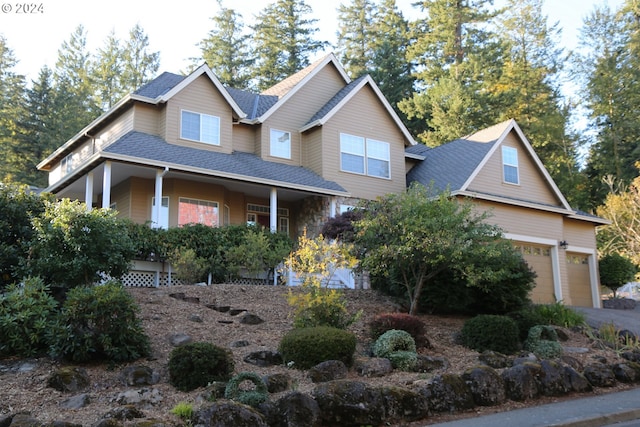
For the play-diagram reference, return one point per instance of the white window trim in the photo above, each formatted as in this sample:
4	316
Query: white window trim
217	136
516	166
272	152
366	156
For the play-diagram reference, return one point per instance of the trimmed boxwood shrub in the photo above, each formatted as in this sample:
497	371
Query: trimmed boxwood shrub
491	332
306	347
197	364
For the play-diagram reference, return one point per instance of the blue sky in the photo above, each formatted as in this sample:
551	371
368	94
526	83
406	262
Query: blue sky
175	29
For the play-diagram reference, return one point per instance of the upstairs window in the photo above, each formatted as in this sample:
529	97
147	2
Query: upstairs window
200	127
510	165
280	145
364	156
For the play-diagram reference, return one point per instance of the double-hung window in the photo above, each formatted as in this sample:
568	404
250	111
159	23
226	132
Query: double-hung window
510	165
364	156
280	144
200	127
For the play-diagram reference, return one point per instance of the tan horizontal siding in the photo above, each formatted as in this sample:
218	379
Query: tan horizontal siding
532	187
116	129
142	191
146	118
244	138
579	233
312	150
523	221
200	96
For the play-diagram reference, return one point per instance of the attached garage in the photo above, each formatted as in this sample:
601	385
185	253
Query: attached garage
579	279
539	259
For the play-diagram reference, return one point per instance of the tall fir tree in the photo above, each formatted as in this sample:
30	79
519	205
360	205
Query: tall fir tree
283	41
139	64
356	36
12	86
74	90
455	55
37	138
106	72
227	50
610	68
529	92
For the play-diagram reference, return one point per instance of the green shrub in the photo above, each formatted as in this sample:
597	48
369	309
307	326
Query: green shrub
491	332
187	266
543	342
328	310
526	319
197	364
306	347
100	323
397	346
27	313
253	396
183	410
401	321
559	314
616	270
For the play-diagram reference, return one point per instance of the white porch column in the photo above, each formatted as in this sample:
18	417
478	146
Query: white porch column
158	197
106	185
88	191
273	214
332	207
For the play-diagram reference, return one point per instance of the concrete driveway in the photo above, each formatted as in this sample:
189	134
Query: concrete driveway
623	319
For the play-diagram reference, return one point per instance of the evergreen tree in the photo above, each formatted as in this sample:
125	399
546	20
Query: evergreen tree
107	73
139	65
12	86
455	57
73	101
283	41
356	36
38	138
227	49
610	69
528	91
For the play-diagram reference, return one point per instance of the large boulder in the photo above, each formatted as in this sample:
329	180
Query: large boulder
521	381
295	409
446	393
227	413
486	385
578	382
328	370
69	379
553	381
373	367
139	375
599	375
628	372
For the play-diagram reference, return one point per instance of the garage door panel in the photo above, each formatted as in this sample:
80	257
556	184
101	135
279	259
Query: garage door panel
539	259
579	279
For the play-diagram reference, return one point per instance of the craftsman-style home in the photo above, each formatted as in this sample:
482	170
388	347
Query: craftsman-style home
187	149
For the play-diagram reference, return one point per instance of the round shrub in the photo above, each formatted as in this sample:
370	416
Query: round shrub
100	323
393	341
306	347
197	364
403	360
253	396
491	332
27	314
526	319
543	342
401	321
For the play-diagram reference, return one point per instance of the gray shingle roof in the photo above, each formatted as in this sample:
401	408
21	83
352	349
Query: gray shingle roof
252	104
448	165
145	146
160	85
342	93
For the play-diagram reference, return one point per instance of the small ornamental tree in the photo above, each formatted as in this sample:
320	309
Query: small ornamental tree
616	270
315	261
72	246
414	236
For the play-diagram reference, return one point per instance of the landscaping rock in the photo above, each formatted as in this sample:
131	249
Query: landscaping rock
495	360
240	343
277	383
486	385
24	420
328	371
228	413
553	381
195	318
600	375
264	358
127	412
144	397
576	380
179	339
251	319
373	367
403	405
627	372
297	410
447	393
69	379
76	402
139	375
426	363
619	303
521	381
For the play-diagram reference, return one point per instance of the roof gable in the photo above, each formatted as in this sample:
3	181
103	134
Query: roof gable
334	105
457	164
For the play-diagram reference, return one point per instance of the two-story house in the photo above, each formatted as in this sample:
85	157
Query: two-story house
187	149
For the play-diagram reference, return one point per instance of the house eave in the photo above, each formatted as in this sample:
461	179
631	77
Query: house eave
513	202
